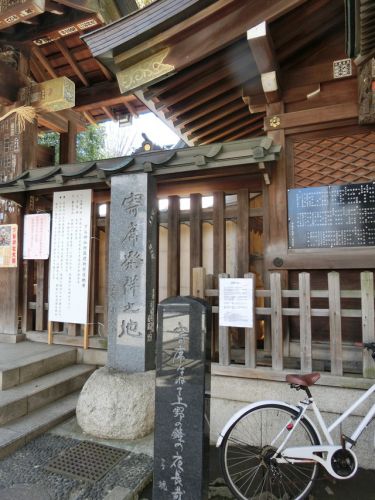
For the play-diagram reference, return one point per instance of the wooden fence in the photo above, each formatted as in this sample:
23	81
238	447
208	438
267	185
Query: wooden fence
275	313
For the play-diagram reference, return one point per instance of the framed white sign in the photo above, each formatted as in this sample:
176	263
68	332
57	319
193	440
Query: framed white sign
236	302
70	257
36	236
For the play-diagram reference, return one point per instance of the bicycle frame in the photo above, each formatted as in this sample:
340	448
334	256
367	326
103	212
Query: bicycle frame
324	453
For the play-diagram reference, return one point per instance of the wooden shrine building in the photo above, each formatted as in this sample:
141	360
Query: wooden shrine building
276	103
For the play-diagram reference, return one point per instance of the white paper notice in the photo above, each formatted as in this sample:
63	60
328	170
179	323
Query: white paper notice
236	302
36	236
70	251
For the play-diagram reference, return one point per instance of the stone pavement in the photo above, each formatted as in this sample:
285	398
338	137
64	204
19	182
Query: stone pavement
29	473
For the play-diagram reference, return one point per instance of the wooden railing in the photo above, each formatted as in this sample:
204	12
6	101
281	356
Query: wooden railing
275	313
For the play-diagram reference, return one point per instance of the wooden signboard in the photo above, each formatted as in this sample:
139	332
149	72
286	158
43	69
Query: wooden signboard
70	257
71	28
17	11
52	95
8	245
11	140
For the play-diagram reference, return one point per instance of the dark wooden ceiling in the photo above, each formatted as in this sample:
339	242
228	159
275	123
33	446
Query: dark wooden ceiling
53	45
215	92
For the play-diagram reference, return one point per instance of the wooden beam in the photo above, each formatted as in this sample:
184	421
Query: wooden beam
261	46
201	68
104	70
227	130
202	98
208	31
262	49
11	81
108	113
222	125
105	93
243	132
44	62
311	116
132	109
89	118
53	121
83	5
236	105
308	75
37	71
209	108
65	51
54	7
242	65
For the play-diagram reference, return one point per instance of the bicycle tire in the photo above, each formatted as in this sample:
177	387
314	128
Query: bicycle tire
246	453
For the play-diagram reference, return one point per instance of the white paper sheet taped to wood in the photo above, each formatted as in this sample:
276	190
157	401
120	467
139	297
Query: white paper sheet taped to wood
236	301
36	236
70	257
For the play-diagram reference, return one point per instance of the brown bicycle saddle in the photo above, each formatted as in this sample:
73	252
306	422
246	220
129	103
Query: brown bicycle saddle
304	380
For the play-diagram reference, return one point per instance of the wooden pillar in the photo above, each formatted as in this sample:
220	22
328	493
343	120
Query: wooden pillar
243	244
196	257
14	282
68	144
173	271
276	200
276	219
219	233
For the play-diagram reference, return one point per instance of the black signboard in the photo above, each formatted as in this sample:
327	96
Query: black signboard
332	216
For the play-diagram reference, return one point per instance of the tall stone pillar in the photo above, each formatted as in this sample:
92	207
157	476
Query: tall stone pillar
118	401
132	273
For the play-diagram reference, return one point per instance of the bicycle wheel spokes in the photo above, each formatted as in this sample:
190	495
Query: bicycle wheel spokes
249	466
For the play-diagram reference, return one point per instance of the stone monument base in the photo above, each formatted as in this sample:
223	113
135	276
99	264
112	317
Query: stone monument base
117	405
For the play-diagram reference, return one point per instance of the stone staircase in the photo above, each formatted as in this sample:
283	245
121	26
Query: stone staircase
38	389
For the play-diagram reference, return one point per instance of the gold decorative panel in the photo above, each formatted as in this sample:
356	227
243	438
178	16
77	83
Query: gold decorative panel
334	160
144	72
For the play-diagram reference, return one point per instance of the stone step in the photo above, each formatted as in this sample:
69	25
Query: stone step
16	434
25	398
33	364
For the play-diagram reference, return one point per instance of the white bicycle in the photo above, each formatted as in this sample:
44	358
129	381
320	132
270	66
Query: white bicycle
272	450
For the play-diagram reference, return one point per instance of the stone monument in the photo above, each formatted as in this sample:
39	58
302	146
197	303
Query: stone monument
181	434
118	400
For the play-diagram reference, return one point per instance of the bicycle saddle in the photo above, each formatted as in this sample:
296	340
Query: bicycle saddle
304	380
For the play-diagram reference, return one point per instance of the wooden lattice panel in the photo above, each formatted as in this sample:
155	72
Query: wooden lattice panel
334	160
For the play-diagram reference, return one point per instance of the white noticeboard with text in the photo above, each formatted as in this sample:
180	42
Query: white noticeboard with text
236	302
70	257
36	236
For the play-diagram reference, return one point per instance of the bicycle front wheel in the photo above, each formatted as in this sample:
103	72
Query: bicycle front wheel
247	453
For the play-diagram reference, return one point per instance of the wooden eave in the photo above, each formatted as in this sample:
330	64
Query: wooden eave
140	25
210	85
202	161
